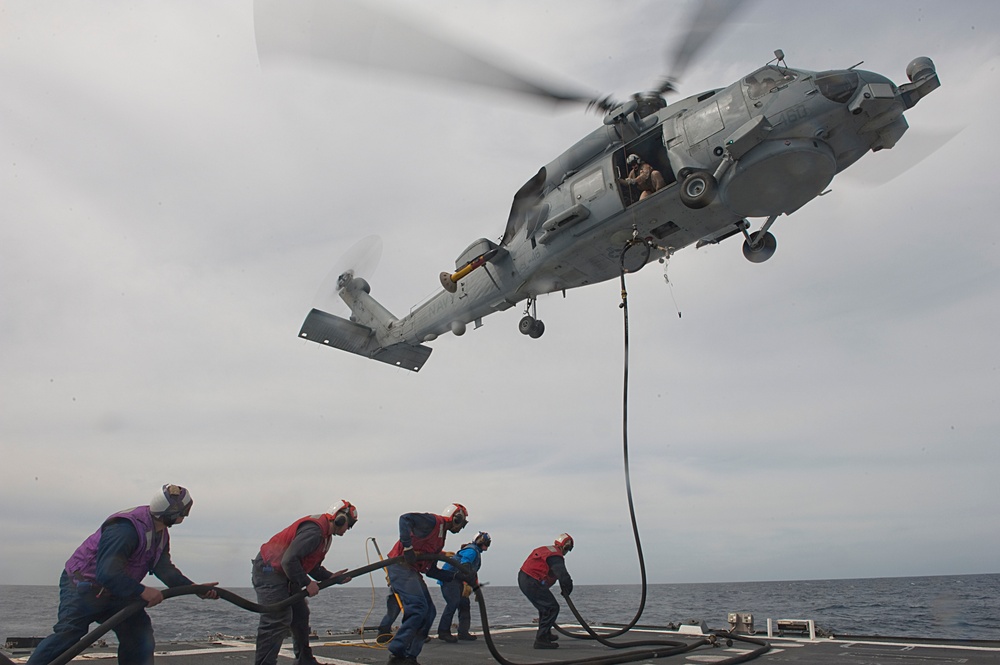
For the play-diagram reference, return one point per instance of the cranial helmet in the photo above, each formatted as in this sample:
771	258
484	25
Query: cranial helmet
457	514
633	159
170	504
483	540
564	542
344	512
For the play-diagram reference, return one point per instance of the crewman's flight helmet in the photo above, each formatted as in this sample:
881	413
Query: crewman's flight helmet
457	515
483	540
171	504
565	543
344	512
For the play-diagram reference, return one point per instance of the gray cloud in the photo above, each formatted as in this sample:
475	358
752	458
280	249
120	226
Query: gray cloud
170	208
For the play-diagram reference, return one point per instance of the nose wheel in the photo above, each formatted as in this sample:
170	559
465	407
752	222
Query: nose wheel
529	325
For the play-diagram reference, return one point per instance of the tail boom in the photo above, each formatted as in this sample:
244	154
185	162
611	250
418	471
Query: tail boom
331	330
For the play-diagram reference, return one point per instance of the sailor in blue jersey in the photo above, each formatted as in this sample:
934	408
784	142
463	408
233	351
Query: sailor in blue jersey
454	591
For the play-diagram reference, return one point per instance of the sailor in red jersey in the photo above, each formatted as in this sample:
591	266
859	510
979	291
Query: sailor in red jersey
284	567
538	573
419	533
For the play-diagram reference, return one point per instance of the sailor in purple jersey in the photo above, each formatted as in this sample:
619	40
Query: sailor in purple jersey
105	574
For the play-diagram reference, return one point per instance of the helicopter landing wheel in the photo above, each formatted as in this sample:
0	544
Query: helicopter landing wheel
526	324
698	189
759	249
536	330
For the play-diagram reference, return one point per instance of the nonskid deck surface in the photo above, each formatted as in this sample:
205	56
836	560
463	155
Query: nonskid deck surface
515	645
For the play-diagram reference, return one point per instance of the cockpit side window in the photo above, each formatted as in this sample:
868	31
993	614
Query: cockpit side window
838	86
766	80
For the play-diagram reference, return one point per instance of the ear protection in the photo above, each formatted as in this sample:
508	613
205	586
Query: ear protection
171	504
344	513
457	514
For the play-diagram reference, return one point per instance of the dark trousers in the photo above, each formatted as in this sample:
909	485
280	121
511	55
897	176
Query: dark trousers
418	611
79	607
391	612
543	600
454	600
273	587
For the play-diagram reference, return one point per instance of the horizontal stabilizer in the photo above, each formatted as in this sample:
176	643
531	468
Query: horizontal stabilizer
340	333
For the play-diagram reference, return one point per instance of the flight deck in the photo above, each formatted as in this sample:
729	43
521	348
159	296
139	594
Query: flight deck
515	645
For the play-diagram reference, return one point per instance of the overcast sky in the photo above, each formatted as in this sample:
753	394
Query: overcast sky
170	207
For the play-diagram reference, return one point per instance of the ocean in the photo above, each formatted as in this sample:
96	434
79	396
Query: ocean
946	607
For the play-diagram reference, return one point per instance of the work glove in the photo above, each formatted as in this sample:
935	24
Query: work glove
410	556
345	579
566	589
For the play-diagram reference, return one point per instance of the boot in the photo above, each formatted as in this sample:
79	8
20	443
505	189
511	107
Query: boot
544	644
305	657
468	637
446	636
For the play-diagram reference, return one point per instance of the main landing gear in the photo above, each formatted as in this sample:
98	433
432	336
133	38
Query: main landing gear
760	245
529	325
698	188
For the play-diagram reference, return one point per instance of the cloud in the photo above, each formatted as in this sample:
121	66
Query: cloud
171	208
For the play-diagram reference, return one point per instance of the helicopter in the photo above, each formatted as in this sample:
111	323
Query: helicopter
652	179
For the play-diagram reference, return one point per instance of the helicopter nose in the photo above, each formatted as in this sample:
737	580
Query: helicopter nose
923	80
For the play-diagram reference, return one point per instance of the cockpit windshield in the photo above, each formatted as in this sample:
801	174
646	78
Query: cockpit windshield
838	86
767	79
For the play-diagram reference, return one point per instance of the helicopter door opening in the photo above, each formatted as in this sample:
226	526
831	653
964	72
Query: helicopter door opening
651	151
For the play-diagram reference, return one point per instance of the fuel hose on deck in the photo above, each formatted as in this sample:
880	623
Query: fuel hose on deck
229	596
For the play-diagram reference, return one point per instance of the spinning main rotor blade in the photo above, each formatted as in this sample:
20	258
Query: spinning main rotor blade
710	17
360	34
913	148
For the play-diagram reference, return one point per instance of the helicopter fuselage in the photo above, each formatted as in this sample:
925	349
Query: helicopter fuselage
763	146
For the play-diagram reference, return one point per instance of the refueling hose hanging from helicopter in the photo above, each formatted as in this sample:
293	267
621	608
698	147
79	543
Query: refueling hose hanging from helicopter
645	247
627	261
